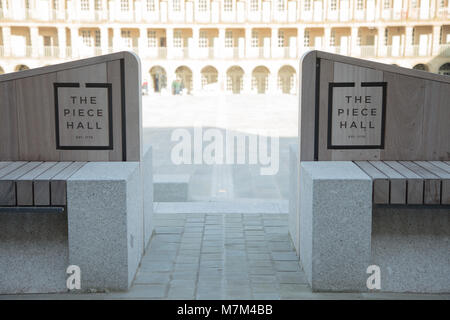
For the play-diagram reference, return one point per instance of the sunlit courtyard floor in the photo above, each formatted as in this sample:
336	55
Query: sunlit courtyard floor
251	115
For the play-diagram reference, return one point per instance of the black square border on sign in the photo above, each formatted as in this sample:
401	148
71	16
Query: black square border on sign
108	86
331	86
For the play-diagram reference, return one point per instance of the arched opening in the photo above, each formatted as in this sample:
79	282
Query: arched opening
183	80
2	71
235	83
260	79
159	78
209	77
445	69
21	67
421	66
286	79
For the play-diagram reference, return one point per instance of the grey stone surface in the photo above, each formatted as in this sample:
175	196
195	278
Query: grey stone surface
147	180
33	252
171	187
335	225
105	222
412	248
293	195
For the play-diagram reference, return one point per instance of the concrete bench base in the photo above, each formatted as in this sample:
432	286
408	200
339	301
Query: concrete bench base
104	230
340	234
34	252
171	187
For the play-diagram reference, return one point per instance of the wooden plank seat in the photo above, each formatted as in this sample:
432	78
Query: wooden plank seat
35	183
409	182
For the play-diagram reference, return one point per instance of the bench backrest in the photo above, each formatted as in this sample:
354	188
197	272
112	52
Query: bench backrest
353	109
85	110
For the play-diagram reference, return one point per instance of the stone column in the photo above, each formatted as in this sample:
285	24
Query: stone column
193	50
169	42
143	41
436	44
104	39
274	43
300	40
35	44
409	41
74	41
354	50
326	39
62	42
248	42
221	42
381	48
6	30
116	39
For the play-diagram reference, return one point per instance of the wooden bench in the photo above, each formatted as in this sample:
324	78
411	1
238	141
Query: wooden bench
37	184
409	182
371	176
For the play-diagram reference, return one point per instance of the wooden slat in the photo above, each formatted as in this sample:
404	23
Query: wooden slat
414	183
445	179
397	192
442	165
4	164
24	184
41	184
380	182
58	184
432	183
6	187
7	183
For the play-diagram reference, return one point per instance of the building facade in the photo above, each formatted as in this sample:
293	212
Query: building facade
237	46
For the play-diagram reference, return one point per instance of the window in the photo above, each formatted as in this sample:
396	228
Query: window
358	39
176	5
333	5
280	39
177	39
360	5
414	3
280	5
98	5
98	38
203	40
87	39
124	5
387	4
55	4
151	38
126	38
85	5
202	5
442	4
307	5
306	39
151	5
386	37
228	39
413	35
228	5
255	39
333	39
254	5
441	35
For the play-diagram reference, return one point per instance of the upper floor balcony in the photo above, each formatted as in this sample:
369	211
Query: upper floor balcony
244	11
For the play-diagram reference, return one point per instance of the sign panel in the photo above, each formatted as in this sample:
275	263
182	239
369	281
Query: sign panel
83	115
356	115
